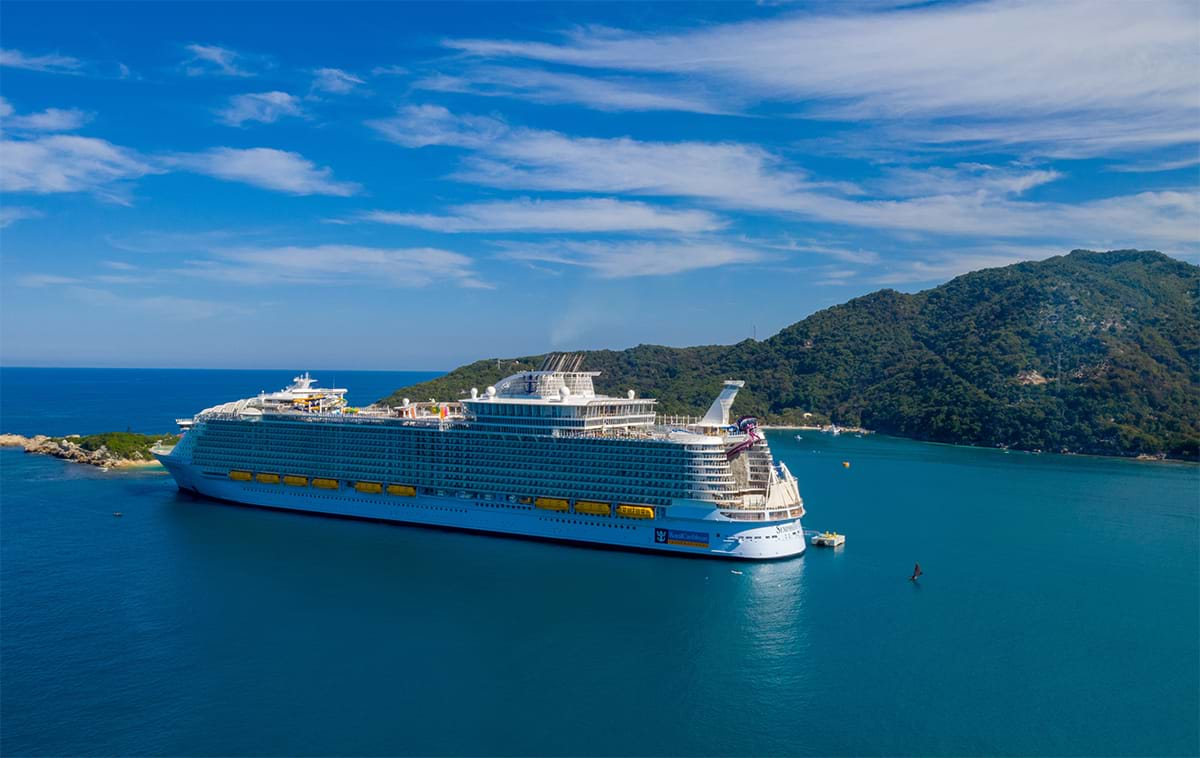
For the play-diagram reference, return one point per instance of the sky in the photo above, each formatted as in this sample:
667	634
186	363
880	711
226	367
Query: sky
412	186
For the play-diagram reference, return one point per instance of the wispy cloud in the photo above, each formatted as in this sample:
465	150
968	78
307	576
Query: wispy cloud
1090	76
964	178
267	168
426	125
51	63
944	265
214	59
338	265
389	71
267	107
49	120
11	214
576	215
69	163
161	306
619	260
335	81
45	280
553	87
971	200
1149	167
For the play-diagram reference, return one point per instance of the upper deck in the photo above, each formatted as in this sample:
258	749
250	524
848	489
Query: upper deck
556	399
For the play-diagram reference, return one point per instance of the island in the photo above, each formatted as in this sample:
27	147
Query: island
1090	352
107	450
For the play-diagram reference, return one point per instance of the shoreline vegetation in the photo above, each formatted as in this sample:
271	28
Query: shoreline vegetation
1091	353
107	450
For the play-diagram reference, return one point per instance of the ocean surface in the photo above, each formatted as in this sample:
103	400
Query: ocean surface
1058	613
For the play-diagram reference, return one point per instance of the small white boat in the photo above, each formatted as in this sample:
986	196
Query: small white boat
799	437
829	539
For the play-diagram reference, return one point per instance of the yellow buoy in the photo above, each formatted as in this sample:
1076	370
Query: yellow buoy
845	464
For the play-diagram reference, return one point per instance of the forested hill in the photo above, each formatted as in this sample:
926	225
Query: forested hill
1088	352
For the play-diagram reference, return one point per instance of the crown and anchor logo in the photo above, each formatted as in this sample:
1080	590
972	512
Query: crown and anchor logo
660	535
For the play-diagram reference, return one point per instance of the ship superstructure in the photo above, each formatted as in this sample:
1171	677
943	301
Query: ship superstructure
540	454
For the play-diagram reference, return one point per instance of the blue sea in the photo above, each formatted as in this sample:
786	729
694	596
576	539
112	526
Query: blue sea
1058	613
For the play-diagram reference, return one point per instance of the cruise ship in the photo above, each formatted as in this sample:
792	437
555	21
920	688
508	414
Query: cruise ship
540	454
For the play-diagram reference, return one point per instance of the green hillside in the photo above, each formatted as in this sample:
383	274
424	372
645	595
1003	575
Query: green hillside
1088	352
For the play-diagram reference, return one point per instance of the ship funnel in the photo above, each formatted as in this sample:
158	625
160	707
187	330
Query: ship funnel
718	412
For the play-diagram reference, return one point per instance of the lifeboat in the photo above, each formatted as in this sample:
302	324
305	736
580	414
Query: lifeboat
592	508
552	504
402	490
373	488
296	481
267	478
635	511
240	476
325	484
525	500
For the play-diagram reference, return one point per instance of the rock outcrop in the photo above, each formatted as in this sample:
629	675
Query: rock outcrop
69	449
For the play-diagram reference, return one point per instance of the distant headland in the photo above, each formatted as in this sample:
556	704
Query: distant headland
108	450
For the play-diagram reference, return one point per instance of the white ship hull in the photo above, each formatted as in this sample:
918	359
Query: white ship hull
691	529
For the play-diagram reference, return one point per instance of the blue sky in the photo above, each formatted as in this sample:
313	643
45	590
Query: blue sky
416	186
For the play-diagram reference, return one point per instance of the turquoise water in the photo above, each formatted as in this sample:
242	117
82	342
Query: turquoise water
1058	614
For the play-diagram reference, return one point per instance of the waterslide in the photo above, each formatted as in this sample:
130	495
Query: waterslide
748	426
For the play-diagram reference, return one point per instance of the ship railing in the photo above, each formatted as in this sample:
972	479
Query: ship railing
666	420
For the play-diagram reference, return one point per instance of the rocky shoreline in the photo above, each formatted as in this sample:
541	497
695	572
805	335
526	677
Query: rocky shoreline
72	448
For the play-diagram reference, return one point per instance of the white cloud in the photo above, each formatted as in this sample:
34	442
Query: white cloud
843	254
11	214
389	71
335	81
267	107
68	163
972	200
213	59
337	265
965	178
1150	167
119	265
578	215
1091	76
163	306
51	63
539	159
551	87
267	168
45	280
425	125
943	266
49	120
618	260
